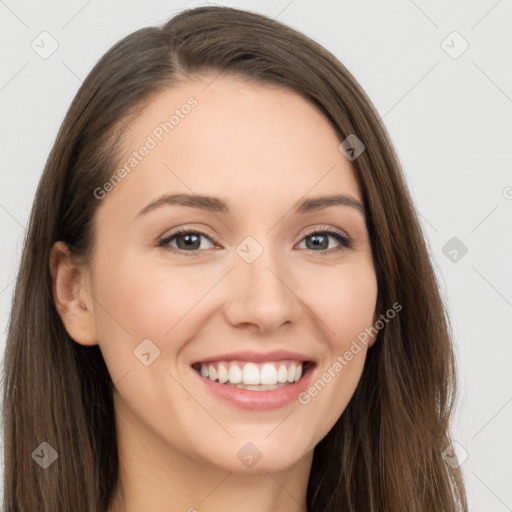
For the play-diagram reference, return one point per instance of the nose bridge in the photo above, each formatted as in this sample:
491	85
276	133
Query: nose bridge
262	290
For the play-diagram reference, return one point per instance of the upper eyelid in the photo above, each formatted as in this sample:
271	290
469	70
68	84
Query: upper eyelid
205	231
323	229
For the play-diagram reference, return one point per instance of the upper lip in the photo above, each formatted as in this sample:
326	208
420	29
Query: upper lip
256	357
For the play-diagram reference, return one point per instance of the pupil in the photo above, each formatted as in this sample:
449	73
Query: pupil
315	238
188	242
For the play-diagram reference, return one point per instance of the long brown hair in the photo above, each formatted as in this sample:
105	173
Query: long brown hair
385	451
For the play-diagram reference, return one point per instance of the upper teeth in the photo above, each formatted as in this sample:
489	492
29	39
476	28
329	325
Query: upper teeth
252	373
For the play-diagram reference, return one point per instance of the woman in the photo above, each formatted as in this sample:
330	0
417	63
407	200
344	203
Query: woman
177	340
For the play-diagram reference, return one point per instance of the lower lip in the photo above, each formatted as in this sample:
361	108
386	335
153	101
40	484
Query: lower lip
257	400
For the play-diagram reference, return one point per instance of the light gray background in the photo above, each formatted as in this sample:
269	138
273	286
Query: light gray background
450	119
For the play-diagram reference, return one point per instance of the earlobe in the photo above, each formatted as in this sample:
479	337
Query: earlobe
71	297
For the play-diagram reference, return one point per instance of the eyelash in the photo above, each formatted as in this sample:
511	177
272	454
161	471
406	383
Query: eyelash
340	236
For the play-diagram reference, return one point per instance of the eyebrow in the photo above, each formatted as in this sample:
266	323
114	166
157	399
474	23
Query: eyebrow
217	205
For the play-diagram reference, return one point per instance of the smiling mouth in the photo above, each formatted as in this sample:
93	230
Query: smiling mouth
254	376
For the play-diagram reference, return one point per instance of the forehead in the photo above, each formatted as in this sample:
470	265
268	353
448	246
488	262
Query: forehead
227	137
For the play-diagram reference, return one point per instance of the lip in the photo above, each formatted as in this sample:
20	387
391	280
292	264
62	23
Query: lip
256	357
257	400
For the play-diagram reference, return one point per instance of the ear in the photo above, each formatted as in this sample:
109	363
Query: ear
374	338
70	289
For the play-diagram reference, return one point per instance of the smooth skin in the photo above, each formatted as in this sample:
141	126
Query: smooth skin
263	149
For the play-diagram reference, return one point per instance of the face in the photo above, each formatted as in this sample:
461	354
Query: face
257	284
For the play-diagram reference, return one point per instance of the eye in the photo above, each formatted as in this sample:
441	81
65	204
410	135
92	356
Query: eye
320	240
188	242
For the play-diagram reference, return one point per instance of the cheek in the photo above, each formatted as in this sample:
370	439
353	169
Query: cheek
140	302
346	306
345	301
145	302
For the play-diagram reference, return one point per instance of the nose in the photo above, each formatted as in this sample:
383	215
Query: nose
262	294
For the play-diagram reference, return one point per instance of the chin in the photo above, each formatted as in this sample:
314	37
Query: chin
257	454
